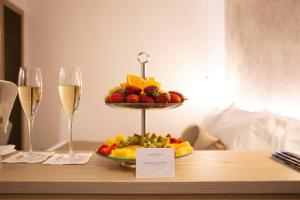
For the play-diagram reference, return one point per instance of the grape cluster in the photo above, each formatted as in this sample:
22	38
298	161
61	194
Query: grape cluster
148	141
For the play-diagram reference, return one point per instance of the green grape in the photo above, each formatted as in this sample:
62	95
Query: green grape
148	135
154	138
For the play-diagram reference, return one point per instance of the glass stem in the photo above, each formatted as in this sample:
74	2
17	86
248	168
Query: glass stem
30	125
70	119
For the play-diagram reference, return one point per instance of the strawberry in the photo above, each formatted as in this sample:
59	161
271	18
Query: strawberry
175	140
118	91
116	98
146	99
152	91
131	89
106	150
162	98
103	149
103	146
112	147
174	98
107	99
178	94
132	98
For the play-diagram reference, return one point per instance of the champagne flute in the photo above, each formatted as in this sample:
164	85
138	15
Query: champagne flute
30	95
70	84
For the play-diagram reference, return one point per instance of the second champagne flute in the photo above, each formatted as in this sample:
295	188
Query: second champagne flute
70	84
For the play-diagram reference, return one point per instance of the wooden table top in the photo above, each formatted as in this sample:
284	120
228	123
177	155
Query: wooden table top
203	172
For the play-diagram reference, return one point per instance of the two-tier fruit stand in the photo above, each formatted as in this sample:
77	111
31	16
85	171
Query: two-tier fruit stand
142	58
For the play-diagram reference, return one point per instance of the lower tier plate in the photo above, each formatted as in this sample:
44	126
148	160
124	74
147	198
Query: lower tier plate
131	160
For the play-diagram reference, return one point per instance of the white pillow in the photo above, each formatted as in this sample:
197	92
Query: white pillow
266	133
243	130
233	127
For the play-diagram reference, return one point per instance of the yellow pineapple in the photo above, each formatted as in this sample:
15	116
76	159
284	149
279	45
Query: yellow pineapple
120	153
120	138
182	148
110	141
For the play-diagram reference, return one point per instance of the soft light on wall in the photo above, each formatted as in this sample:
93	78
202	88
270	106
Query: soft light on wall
262	47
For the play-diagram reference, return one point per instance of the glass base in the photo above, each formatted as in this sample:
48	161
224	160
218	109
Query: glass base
70	158
31	156
128	164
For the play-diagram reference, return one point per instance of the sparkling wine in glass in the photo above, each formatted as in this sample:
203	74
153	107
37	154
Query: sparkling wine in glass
70	84
30	95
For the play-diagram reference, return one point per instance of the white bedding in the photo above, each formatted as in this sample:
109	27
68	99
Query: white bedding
243	130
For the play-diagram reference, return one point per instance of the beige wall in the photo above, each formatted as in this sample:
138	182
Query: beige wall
184	38
103	37
263	48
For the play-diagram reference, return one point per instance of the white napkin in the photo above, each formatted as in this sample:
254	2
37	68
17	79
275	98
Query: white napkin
7	149
81	158
17	158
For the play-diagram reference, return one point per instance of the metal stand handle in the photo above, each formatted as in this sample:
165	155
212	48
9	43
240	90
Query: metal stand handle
143	58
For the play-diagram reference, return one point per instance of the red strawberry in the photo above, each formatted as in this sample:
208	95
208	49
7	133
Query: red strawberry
174	98
107	99
133	98
162	98
178	94
103	146
118	91
106	150
131	89
152	91
175	140
146	99
103	150
116	98
112	147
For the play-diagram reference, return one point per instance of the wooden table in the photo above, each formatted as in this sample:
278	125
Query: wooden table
203	175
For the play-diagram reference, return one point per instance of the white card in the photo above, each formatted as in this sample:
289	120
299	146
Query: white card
155	162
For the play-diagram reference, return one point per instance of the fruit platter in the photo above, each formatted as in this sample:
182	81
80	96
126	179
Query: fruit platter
140	93
123	149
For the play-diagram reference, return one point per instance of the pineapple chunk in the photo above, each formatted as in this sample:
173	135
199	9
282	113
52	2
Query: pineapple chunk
110	141
182	148
120	138
120	153
183	151
123	153
176	146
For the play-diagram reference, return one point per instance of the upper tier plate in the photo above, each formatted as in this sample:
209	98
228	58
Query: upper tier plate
145	105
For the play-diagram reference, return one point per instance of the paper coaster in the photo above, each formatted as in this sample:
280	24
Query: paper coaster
59	159
20	158
7	149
